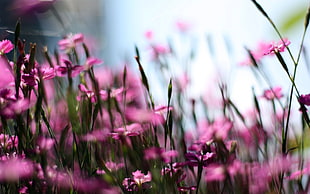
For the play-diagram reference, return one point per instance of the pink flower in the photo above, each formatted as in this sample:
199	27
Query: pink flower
159	50
217	130
134	129
29	6
144	116
64	68
6	73
274	93
45	144
194	159
88	93
15	169
138	181
47	73
304	99
159	153
299	173
8	141
257	53
264	48
278	47
187	188
149	34
91	61
70	41
96	135
215	172
5	46
182	25
14	108
182	81
140	178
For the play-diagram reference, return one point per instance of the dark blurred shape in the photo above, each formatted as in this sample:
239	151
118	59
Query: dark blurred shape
28	11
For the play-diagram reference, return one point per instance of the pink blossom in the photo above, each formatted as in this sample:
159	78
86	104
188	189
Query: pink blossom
70	41
278	47
15	169
114	93
88	93
96	135
76	181
159	153
299	173
45	144
8	141
111	166
217	130
91	61
182	81
140	178
6	73
274	93
47	73
64	68
149	34
182	25
257	53
194	159
5	46
138	181
265	48
134	129
159	50
215	172
14	108
29	6
187	188
144	116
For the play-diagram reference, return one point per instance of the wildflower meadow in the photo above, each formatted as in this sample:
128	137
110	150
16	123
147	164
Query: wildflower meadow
71	124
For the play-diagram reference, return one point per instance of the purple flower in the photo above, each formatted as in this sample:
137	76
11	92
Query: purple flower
30	79
29	6
64	68
304	99
194	159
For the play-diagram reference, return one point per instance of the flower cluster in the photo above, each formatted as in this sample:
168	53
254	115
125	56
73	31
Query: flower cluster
67	125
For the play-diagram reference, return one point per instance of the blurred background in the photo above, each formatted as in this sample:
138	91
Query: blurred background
217	31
